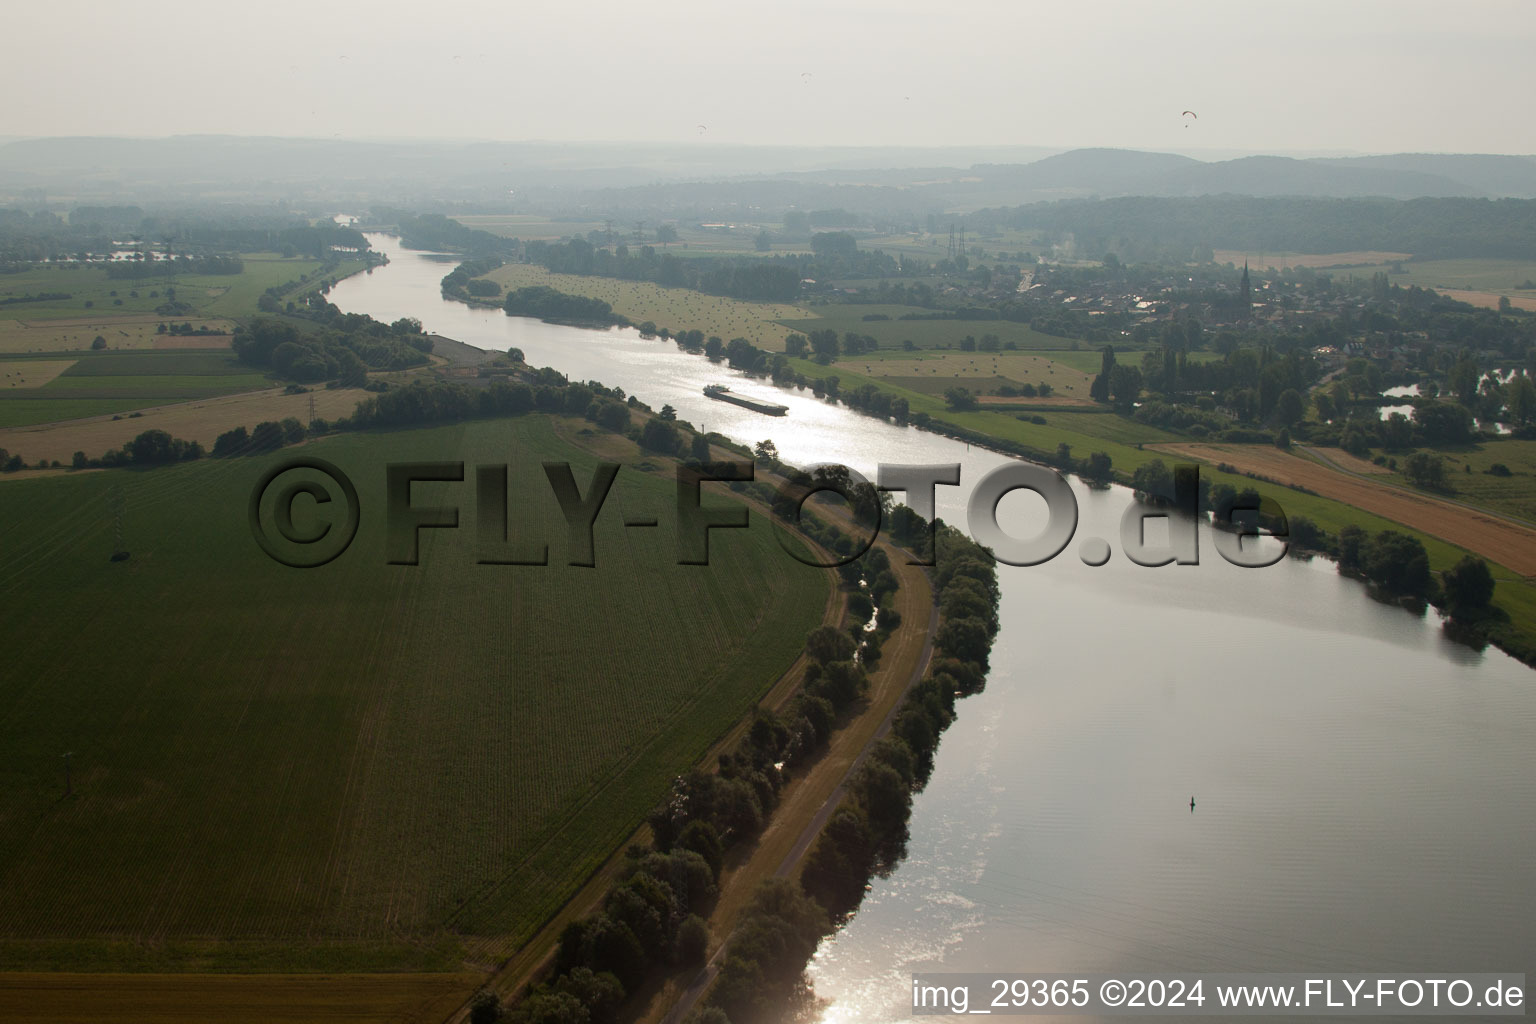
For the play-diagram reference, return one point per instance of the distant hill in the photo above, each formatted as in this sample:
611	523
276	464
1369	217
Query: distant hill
1113	171
1283	176
645	180
1513	176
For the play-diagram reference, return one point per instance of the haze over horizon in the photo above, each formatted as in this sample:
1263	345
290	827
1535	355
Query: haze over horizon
1309	78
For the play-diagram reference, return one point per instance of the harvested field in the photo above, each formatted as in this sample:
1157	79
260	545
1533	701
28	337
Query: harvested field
1489	300
999	403
1283	260
1345	461
677	309
126	330
1495	539
163	341
38	998
32	373
201	421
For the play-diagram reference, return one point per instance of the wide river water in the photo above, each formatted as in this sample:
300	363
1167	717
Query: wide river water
1365	789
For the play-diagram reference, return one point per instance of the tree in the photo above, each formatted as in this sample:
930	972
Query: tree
1399	563
1444	423
1124	385
79	461
666	234
1463	379
960	399
266	437
98	343
1099	390
700	448
1520	397
485	1008
1290	407
692	941
827	644
231	442
1153	480
701	838
660	436
1468	586
966	639
763	242
668	413
153	447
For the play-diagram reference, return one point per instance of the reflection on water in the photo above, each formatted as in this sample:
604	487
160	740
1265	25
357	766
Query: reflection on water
1366	790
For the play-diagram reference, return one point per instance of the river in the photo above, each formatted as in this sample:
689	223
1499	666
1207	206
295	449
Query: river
1365	789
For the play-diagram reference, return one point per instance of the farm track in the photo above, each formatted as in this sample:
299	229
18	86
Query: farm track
1502	540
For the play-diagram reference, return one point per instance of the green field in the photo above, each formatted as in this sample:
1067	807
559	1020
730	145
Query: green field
121	381
677	309
1513	495
1503	277
209	295
24	412
360	765
926	334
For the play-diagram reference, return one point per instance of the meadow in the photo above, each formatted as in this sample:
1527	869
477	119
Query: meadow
678	309
925	334
1513	495
360	766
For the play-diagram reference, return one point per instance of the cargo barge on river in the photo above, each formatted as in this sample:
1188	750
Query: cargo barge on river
721	393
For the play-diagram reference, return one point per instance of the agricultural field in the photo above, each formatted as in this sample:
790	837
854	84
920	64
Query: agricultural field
1084	429
1496	539
211	296
933	373
116	382
925	334
531	228
738	239
231	999
678	309
1286	260
1466	471
95	426
360	766
1478	281
126	331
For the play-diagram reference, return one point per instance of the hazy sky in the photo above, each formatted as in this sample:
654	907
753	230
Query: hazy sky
1289	75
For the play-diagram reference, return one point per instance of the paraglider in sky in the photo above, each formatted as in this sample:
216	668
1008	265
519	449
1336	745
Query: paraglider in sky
1190	113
